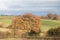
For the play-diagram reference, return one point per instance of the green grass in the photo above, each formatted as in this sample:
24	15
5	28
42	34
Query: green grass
7	21
46	24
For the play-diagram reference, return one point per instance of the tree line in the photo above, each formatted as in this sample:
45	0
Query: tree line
51	16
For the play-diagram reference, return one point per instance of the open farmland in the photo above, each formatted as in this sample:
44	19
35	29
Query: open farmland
46	24
6	19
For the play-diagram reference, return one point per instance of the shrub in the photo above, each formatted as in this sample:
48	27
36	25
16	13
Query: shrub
33	33
27	22
54	32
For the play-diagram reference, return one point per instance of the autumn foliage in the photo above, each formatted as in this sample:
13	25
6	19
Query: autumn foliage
26	22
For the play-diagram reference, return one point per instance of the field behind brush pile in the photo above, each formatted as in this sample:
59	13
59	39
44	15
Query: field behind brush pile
46	24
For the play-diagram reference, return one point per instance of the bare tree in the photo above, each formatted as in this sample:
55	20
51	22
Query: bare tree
50	15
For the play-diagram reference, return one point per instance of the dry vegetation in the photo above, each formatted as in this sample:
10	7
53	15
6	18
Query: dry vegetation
54	32
26	22
51	16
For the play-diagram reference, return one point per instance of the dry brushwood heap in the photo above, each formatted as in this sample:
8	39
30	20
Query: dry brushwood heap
26	22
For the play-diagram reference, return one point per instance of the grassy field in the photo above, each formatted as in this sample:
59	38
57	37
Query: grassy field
46	24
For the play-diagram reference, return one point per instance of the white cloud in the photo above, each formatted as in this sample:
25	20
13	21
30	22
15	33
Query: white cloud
3	6
33	5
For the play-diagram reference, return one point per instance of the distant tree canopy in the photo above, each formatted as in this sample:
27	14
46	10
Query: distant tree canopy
52	16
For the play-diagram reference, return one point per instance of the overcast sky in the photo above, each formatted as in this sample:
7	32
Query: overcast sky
38	7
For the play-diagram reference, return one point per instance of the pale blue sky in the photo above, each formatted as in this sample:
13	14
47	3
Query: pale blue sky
38	7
